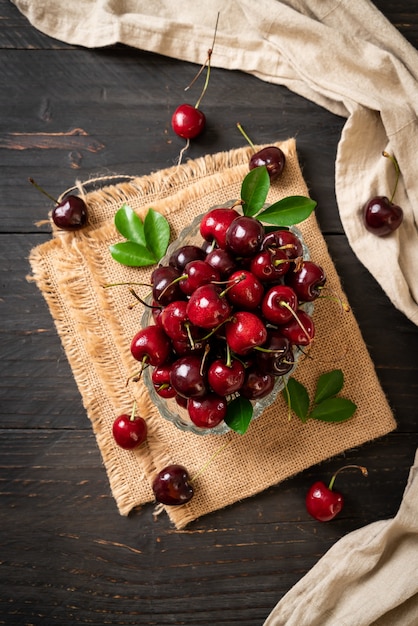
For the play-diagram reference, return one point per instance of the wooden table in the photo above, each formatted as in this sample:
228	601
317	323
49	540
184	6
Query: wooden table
67	556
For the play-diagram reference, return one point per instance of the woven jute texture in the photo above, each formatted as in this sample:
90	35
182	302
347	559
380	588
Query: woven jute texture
96	326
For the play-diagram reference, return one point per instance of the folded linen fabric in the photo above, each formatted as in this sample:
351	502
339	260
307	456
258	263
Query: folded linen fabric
371	78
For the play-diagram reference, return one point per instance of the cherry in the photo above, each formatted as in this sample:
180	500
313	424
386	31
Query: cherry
172	486
322	502
307	280
208	307
278	304
215	223
165	287
183	255
271	157
151	345
244	236
300	330
174	320
270	265
257	384
129	431
197	273
245	290
276	356
188	121
207	411
187	378
69	214
222	261
245	331
284	240
381	216
161	380
226	378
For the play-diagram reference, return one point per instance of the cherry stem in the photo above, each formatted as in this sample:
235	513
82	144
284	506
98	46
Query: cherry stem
108	285
228	356
397	170
189	335
132	418
209	461
205	86
150	306
39	188
244	134
289	308
359	467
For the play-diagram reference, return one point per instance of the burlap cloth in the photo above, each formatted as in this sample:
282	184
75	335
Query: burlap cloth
96	326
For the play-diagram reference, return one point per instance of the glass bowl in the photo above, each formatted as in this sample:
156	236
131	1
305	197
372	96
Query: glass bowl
169	409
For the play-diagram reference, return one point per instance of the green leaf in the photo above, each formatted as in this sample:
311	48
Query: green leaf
297	398
239	415
130	225
254	190
157	233
329	385
333	410
288	211
132	254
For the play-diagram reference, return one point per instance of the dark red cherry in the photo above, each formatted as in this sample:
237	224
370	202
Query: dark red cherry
207	411
172	486
276	356
257	384
381	216
207	307
278	304
272	157
174	320
300	331
151	345
183	255
225	378
215	223
198	273
244	236
187	378
307	280
129	432
245	331
70	214
188	121
165	286
270	265
245	291
222	261
284	240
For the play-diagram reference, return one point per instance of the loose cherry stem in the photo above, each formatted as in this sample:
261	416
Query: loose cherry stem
244	134
359	467
132	418
397	170
209	461
205	65
39	188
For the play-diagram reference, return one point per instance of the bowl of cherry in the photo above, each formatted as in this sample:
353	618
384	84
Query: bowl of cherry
229	315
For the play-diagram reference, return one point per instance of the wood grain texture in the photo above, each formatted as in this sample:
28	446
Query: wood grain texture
67	556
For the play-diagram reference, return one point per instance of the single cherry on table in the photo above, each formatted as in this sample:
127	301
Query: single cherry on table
322	503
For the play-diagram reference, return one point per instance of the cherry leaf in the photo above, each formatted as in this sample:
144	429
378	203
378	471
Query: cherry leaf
297	398
288	211
239	415
157	233
329	385
333	410
132	254
254	190
130	225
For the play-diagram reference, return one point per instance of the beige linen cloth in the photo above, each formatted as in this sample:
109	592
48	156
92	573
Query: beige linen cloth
346	57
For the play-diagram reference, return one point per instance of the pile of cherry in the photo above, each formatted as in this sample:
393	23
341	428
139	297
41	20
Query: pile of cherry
228	315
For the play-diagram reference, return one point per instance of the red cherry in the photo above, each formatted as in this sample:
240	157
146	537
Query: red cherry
151	345
307	281
381	216
226	378
300	331
161	380
188	121
272	157
245	290
172	486
244	332
215	223
207	307
207	411
129	431
70	213
322	502
279	304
